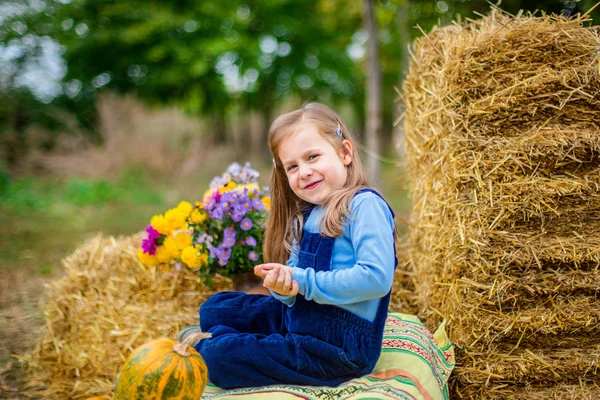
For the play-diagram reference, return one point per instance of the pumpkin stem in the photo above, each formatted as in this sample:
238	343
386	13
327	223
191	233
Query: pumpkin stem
182	348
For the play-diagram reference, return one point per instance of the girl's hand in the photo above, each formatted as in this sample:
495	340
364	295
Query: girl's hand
278	278
263	269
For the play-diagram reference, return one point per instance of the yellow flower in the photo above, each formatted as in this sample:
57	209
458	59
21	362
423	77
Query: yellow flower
192	259
198	216
174	220
189	256
146	259
185	208
250	186
203	259
159	223
168	251
226	188
183	239
163	255
266	201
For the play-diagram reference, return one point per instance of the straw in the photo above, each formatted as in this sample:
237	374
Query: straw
503	152
105	306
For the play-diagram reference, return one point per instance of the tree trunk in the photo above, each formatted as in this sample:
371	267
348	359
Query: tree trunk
373	90
220	128
263	150
16	142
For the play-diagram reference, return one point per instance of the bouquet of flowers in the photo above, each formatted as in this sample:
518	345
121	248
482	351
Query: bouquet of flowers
221	234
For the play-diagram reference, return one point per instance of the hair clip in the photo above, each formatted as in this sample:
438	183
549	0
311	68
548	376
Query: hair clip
274	164
338	131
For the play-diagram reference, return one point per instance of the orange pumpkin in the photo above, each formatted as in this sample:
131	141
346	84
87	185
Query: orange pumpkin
163	369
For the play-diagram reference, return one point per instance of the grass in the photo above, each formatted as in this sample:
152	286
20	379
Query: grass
42	220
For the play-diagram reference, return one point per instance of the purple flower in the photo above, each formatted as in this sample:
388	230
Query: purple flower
250	241
152	233
149	243
217	213
226	197
246	205
201	238
229	241
149	246
229	237
223	254
253	255
237	217
230	231
246	224
238	213
214	252
258	205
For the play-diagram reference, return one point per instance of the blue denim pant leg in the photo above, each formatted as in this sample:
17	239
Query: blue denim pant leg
248	313
237	359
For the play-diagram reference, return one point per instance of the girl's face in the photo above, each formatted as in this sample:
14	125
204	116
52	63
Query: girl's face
314	168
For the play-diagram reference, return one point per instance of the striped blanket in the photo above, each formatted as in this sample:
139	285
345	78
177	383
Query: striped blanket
414	364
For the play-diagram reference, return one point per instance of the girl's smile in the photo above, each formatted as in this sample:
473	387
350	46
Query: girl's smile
314	167
312	185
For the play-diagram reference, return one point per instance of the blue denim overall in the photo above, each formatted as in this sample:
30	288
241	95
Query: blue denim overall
257	340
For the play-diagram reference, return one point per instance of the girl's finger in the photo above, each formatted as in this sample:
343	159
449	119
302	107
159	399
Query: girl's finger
295	288
287	285
280	285
262	269
267	281
275	279
258	271
270	266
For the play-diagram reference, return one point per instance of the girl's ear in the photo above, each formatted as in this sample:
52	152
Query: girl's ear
346	152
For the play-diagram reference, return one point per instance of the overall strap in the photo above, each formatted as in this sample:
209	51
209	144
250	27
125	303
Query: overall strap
306	212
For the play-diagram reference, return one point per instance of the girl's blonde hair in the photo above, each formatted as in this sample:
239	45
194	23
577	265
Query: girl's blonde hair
284	224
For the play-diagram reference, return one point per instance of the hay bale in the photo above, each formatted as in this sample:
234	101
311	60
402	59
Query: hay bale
580	390
503	150
106	305
403	297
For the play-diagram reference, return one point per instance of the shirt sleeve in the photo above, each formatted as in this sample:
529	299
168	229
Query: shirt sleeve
292	262
371	231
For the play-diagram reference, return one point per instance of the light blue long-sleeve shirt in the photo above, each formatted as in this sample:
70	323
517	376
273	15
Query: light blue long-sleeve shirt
362	263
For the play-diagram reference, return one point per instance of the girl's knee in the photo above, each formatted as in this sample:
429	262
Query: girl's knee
212	310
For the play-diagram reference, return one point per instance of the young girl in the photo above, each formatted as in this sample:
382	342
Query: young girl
329	243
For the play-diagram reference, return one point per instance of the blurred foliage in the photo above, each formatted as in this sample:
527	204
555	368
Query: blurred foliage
213	58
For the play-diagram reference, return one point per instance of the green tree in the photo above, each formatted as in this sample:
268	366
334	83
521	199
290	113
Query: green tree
211	58
203	55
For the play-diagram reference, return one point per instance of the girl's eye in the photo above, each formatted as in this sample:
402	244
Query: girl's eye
312	157
291	167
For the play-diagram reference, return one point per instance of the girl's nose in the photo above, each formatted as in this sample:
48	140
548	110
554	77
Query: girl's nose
305	170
